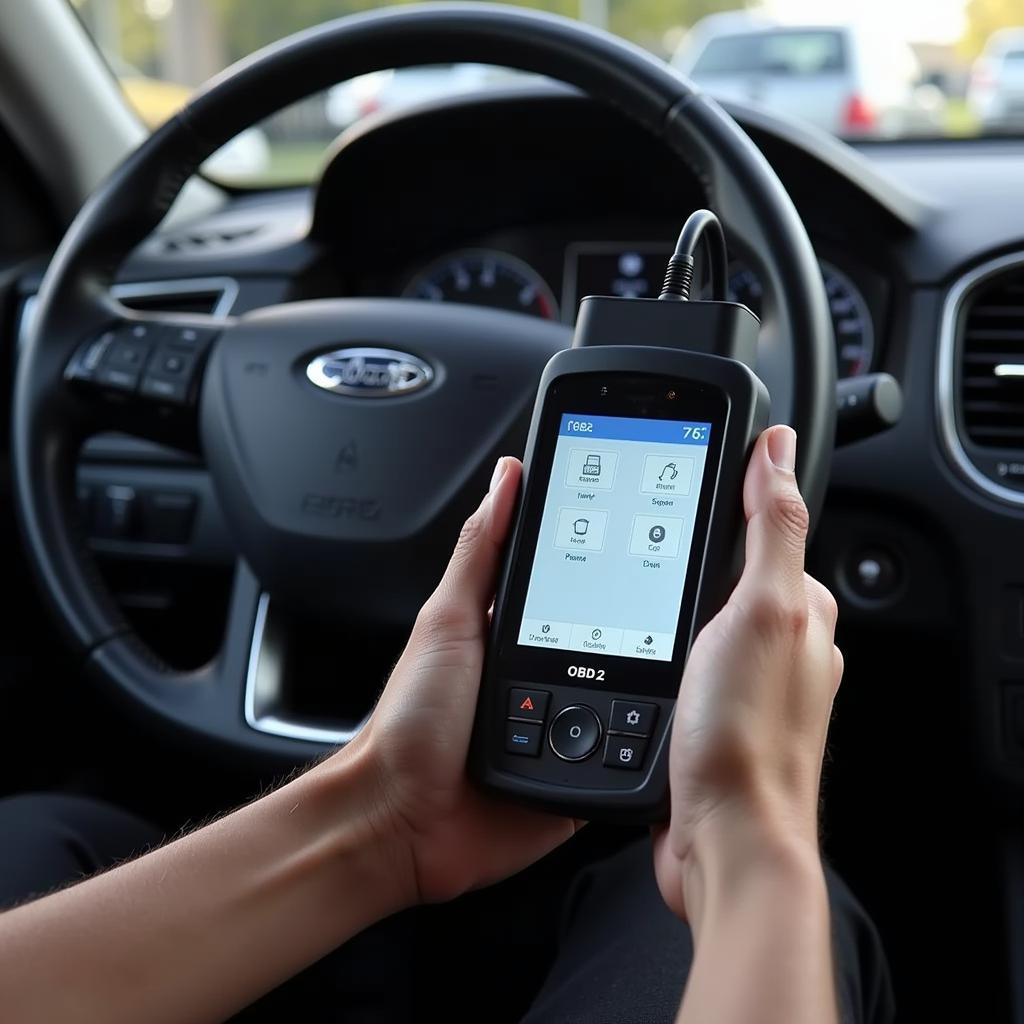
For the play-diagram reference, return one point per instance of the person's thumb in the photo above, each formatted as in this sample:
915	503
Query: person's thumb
776	517
457	610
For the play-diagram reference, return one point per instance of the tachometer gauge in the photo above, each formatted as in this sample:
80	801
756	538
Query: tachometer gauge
851	318
851	323
482	277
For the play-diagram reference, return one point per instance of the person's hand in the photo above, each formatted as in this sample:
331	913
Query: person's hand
755	702
452	837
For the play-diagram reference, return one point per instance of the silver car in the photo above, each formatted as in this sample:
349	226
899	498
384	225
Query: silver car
847	82
996	92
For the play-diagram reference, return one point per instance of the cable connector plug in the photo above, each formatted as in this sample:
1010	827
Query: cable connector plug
679	275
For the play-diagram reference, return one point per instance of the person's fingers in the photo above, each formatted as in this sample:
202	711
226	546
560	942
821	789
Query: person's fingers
457	610
822	616
821	604
776	524
838	667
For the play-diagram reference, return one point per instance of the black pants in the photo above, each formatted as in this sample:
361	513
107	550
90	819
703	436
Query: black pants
623	956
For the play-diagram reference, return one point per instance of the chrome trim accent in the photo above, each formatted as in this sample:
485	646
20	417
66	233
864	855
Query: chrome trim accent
263	690
1009	370
227	286
945	399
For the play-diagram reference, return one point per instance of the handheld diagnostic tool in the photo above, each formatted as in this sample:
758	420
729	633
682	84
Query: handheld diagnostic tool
627	540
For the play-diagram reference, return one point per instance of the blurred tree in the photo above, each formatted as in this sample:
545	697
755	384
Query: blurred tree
125	31
136	32
648	22
986	16
246	26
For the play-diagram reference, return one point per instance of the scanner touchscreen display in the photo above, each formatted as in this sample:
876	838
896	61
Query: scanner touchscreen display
616	531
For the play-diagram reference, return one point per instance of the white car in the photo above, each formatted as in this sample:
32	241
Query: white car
996	92
845	81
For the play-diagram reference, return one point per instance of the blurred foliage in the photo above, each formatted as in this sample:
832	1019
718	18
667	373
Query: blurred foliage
129	32
986	16
125	32
649	22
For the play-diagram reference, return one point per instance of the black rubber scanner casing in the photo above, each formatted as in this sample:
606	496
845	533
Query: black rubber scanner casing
712	343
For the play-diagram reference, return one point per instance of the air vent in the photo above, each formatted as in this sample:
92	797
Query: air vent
992	362
198	301
211	295
204	241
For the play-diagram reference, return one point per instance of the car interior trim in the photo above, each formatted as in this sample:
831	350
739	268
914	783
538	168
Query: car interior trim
945	397
226	287
263	687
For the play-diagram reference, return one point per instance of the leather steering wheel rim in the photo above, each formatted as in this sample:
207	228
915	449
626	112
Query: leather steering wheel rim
50	422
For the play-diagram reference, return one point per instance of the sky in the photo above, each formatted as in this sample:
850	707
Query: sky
925	21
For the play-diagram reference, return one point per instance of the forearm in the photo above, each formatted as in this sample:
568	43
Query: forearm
201	927
762	937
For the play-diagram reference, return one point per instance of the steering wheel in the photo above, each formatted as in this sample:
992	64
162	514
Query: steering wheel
363	534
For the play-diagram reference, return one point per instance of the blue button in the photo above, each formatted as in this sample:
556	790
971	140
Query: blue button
523	738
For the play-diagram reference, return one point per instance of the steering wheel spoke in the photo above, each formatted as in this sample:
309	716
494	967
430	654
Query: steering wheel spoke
235	697
142	376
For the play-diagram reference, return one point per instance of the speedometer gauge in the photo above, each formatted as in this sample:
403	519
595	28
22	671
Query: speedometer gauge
482	277
851	319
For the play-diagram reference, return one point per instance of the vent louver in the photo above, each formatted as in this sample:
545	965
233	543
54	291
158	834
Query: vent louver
992	362
205	240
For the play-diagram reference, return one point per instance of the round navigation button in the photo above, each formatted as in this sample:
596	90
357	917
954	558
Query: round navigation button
575	733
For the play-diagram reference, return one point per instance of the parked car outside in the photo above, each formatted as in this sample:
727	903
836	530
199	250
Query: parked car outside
839	78
996	92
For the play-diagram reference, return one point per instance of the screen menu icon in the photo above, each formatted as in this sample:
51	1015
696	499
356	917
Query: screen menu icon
591	468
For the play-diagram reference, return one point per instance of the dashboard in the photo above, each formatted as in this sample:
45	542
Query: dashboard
552	198
625	269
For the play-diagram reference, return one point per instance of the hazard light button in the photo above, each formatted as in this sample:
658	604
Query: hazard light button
528	705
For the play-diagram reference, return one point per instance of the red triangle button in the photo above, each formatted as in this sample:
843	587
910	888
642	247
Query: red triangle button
527	704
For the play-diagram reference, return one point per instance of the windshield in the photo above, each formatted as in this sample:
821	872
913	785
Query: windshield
870	71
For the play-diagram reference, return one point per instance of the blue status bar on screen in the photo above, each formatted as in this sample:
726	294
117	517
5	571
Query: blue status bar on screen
626	428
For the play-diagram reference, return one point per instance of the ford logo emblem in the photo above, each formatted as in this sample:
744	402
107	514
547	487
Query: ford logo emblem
369	372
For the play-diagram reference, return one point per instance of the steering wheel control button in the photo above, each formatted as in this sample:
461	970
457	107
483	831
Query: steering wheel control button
117	512
625	752
523	738
575	733
122	362
528	705
169	516
169	374
633	716
88	358
190	338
